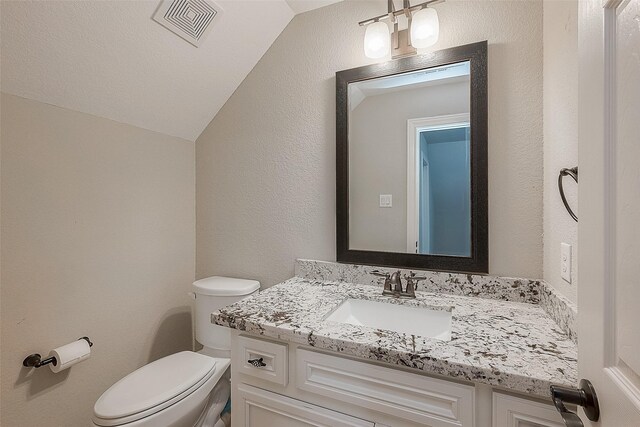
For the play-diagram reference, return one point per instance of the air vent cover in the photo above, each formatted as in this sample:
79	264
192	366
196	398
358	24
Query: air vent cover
190	19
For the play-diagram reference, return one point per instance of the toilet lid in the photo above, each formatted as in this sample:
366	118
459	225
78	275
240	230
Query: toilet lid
154	384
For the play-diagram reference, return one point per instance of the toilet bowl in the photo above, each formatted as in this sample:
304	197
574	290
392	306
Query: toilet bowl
185	389
172	391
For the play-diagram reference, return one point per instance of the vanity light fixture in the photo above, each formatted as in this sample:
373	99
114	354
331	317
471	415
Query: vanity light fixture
423	30
376	40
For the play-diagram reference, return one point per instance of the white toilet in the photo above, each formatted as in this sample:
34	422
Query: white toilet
185	389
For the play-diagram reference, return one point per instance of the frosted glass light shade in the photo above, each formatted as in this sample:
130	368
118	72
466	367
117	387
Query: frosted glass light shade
377	41
425	28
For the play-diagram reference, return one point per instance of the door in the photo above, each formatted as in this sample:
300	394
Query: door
263	408
609	208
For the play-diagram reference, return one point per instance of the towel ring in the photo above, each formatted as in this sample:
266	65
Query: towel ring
573	173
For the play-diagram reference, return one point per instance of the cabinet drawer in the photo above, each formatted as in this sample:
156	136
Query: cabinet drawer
262	408
416	398
510	411
274	357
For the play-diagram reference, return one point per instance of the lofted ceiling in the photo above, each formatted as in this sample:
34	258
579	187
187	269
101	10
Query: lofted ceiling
110	59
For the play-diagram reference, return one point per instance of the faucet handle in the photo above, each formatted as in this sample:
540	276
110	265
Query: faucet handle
412	281
387	279
380	274
412	276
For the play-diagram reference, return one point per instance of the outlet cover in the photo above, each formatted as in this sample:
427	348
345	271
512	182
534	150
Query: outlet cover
385	201
565	262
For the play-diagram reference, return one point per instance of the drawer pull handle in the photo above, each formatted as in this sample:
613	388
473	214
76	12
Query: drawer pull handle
258	363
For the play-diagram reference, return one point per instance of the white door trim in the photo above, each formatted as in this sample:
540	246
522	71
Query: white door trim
414	127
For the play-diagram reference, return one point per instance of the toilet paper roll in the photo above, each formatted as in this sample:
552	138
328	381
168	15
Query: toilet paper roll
70	354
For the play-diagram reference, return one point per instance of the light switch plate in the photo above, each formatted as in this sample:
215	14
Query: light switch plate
385	201
565	262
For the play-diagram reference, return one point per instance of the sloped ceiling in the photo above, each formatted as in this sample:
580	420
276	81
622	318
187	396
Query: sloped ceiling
110	59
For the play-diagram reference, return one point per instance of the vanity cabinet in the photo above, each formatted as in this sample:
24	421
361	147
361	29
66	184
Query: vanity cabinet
291	385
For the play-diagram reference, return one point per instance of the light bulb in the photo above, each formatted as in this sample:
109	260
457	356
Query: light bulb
377	42
425	28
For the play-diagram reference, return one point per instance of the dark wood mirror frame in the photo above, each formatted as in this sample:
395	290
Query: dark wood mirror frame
478	262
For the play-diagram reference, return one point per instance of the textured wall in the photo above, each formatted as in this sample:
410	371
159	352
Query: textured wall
560	137
265	181
378	160
98	239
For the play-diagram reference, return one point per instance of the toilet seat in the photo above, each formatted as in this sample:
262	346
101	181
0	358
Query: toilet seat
153	388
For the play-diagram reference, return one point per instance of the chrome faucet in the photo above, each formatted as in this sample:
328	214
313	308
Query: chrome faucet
394	280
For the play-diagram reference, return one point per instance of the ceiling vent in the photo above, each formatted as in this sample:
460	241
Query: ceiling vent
190	19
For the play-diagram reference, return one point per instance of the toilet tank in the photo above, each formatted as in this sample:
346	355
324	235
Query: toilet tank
212	294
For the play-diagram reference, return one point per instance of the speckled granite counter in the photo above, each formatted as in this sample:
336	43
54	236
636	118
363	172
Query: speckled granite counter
515	289
505	344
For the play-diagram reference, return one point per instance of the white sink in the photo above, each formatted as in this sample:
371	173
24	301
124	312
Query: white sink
422	321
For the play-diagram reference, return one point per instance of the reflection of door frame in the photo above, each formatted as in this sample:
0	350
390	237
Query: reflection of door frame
423	178
414	128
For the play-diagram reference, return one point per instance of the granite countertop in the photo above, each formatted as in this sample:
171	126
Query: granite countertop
506	344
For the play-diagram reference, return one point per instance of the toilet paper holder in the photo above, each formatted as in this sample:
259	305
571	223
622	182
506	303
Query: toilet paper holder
35	360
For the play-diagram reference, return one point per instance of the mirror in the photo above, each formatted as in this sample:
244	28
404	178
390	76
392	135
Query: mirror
411	157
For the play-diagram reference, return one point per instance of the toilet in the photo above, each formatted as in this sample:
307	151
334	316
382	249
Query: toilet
186	389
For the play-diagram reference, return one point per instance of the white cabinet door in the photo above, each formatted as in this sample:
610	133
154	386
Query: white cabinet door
609	204
263	408
511	411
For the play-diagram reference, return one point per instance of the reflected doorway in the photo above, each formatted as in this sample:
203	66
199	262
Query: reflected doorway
440	221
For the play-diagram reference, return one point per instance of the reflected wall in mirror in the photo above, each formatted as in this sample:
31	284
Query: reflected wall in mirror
412	153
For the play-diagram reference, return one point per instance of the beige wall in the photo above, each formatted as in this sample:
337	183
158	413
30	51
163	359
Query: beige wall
560	137
1	351
378	160
97	239
266	164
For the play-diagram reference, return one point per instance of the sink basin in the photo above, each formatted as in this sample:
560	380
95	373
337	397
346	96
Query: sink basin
422	321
